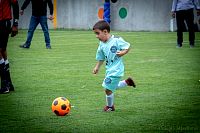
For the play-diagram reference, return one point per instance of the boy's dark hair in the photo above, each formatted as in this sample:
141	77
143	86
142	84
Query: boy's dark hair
102	25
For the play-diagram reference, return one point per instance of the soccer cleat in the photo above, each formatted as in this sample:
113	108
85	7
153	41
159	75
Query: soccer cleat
178	45
130	82
10	86
4	90
24	46
107	108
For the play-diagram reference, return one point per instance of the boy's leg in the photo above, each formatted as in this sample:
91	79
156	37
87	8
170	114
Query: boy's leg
8	78
4	34
122	84
110	83
44	25
109	101
32	26
128	82
109	98
180	27
4	89
113	83
189	17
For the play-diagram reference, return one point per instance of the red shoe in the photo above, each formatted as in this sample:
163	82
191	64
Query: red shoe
130	82
107	108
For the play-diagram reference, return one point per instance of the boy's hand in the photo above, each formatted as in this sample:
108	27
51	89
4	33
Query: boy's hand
173	14
95	70
97	67
14	31
50	17
121	53
21	12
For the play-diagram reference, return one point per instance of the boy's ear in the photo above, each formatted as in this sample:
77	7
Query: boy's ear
105	31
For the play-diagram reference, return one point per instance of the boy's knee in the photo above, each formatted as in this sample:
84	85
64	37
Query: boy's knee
108	92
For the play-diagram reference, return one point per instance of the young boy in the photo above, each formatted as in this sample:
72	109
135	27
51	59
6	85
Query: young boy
111	49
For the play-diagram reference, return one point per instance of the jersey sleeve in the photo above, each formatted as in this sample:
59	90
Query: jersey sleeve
15	6
25	4
122	44
174	3
197	4
99	54
50	4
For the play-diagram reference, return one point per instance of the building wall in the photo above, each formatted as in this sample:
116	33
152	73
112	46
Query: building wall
77	14
145	15
141	15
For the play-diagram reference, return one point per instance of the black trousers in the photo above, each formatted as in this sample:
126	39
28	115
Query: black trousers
188	17
5	28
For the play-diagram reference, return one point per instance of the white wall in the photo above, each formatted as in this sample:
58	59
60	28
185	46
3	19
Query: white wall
142	15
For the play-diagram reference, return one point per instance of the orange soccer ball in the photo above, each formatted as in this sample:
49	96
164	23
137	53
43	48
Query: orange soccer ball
61	106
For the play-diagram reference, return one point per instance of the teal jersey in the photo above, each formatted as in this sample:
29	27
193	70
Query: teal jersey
107	52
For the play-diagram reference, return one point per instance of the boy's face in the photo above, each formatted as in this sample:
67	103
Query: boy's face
101	35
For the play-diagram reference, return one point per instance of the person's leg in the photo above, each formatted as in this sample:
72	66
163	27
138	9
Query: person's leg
128	82
109	101
8	77
110	84
4	34
180	26
5	71
44	25
4	88
189	17
34	21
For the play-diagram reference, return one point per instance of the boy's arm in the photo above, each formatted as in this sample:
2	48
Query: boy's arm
197	6
97	67
15	6
50	4
173	10
123	52
123	47
25	4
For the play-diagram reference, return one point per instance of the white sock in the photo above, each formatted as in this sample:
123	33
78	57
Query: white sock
121	84
2	61
6	62
110	100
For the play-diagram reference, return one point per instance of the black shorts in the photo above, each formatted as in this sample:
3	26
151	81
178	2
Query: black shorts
5	28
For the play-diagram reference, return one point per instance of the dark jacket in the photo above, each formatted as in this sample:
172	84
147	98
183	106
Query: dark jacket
39	7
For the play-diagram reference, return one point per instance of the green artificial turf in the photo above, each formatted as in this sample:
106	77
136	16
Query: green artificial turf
167	97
